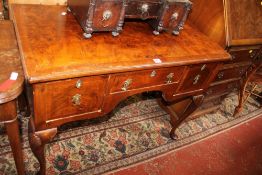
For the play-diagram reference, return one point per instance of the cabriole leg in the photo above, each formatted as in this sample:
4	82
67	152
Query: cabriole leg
37	142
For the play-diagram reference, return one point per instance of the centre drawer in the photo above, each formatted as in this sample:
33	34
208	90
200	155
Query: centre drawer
142	79
143	9
64	98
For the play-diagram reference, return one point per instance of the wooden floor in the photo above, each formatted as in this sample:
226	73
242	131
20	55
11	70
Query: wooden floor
237	151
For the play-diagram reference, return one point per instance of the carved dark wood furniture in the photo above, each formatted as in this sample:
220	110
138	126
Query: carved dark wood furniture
107	15
236	25
11	86
71	78
253	74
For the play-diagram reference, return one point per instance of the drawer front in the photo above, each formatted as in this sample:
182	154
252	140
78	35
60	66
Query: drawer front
222	88
243	55
107	14
235	72
197	76
69	97
142	9
142	79
175	15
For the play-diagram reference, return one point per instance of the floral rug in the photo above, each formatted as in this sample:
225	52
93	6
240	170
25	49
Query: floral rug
137	130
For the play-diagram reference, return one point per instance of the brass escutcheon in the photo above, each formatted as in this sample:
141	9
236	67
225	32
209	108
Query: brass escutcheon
170	78
153	73
76	99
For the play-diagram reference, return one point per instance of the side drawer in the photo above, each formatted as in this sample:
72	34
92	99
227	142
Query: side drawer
59	99
197	77
235	72
143	79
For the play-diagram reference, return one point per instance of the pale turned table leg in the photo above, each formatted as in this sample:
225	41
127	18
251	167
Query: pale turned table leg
37	142
176	120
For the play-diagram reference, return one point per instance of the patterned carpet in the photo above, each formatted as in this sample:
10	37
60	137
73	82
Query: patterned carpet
137	130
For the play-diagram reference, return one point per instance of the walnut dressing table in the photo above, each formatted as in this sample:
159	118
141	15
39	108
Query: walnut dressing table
70	78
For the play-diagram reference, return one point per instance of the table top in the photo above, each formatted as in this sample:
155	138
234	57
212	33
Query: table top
52	46
10	63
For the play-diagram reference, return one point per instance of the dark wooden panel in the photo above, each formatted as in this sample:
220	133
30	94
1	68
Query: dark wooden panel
244	21
134	9
243	55
222	88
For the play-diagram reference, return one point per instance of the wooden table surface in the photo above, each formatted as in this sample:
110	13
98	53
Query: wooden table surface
9	62
52	46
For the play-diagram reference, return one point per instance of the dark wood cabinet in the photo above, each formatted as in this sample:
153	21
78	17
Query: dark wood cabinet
107	15
235	25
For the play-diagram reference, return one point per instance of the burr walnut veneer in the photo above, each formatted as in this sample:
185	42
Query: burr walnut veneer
70	78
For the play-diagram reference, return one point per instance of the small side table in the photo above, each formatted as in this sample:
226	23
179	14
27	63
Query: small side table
11	86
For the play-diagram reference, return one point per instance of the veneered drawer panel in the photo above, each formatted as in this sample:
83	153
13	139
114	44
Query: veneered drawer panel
69	97
243	55
197	76
106	14
142	9
142	79
235	72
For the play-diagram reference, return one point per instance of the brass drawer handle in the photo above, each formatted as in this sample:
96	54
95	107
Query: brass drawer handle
220	75
153	73
203	67
174	16
196	79
126	85
76	99
170	78
79	84
107	14
252	54
144	11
